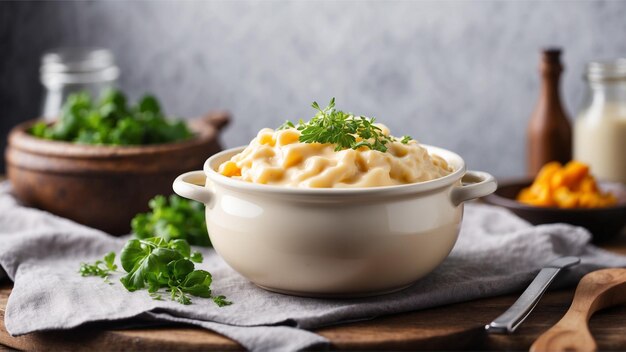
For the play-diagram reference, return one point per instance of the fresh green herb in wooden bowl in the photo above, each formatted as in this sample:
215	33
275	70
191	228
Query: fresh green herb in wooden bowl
102	161
111	121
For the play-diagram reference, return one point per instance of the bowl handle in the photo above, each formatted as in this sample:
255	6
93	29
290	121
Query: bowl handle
476	184
191	185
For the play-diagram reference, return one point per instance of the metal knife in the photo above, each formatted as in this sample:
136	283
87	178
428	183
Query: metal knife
519	311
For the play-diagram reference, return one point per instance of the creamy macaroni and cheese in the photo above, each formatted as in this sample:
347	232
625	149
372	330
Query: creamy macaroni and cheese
279	158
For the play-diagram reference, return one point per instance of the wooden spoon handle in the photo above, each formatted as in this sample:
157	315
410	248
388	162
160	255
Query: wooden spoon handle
597	290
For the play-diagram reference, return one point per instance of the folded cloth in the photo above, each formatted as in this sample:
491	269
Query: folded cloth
497	253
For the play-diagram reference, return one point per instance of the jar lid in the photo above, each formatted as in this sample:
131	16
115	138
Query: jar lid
78	65
608	70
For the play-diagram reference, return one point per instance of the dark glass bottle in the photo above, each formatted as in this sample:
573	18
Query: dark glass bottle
549	135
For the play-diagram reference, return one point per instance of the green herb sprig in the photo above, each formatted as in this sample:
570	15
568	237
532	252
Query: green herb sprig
172	218
102	268
157	264
330	125
112	121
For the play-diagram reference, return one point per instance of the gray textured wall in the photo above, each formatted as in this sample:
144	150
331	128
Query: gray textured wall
461	75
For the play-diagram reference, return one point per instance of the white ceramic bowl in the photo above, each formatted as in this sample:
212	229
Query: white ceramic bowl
333	242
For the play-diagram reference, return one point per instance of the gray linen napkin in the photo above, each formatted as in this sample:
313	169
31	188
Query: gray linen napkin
497	253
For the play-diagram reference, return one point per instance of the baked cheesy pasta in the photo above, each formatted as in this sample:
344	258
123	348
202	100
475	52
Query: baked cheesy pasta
277	157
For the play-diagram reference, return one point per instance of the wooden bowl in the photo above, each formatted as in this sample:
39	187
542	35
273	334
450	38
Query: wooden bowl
603	223
103	186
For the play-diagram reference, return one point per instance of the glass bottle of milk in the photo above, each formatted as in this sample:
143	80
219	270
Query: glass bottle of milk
600	129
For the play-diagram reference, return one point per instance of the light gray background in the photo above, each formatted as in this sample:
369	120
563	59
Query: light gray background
459	74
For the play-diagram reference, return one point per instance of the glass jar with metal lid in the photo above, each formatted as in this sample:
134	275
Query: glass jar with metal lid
600	129
65	71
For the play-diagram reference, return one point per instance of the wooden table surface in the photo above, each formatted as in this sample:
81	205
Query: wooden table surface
457	326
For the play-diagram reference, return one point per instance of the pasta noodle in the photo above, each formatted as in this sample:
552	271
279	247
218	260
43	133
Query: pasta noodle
278	158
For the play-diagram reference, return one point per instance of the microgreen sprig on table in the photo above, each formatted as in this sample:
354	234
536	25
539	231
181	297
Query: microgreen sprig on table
154	264
102	268
330	125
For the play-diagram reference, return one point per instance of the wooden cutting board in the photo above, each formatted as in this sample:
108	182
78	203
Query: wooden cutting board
457	326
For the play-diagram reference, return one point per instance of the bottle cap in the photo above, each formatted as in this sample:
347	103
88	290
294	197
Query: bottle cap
551	60
552	54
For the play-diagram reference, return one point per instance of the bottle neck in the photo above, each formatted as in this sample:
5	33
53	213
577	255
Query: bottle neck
550	96
606	88
550	86
78	66
609	92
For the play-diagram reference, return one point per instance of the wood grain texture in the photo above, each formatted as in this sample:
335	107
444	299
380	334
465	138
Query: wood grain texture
597	290
98	335
103	186
457	326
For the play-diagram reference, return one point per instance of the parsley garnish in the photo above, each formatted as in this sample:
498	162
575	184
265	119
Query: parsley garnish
102	268
342	129
221	301
173	218
406	139
287	124
157	264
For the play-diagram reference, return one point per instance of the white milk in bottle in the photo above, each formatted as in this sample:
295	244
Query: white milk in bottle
600	129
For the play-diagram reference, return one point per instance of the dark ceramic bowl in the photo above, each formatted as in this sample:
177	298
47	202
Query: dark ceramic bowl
603	223
103	186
